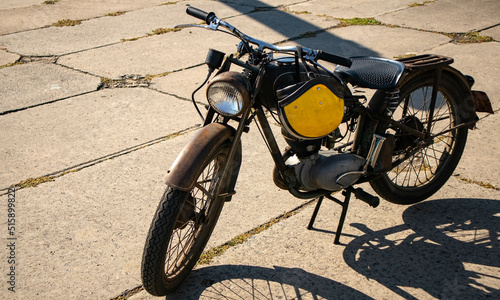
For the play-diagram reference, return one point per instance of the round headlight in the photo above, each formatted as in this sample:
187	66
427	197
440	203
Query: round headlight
228	93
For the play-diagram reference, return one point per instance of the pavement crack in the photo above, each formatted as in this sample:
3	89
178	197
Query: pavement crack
6	112
125	81
33	182
207	256
483	184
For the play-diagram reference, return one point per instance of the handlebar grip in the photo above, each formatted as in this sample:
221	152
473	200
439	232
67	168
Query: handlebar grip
339	60
200	14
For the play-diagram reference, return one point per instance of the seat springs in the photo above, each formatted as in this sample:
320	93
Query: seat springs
392	101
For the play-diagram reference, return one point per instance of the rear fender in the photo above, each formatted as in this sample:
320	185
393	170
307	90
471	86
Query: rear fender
466	106
187	166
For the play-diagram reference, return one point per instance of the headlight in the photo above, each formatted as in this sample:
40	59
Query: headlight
228	93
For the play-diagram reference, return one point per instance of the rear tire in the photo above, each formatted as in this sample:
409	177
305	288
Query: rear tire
425	172
181	227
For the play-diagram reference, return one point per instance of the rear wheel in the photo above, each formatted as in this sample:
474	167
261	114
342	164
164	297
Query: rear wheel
424	172
181	227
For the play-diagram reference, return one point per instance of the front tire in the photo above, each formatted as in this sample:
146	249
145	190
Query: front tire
181	227
426	171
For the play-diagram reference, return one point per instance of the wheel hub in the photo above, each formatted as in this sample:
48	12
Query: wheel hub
405	140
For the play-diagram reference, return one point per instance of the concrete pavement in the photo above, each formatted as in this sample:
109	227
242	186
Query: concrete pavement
98	154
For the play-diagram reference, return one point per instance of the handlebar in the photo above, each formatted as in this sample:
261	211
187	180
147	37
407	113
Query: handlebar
200	14
213	22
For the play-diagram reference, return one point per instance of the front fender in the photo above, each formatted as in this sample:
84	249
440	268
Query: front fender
187	166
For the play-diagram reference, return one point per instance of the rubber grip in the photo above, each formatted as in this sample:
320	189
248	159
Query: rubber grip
200	14
339	60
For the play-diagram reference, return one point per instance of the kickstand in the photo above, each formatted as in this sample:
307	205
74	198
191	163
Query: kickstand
344	204
358	192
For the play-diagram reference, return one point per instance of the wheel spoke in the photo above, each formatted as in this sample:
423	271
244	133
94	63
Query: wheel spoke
420	168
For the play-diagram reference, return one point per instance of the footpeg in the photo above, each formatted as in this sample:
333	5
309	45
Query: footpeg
366	197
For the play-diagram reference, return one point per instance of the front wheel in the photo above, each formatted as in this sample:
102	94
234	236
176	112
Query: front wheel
427	170
181	227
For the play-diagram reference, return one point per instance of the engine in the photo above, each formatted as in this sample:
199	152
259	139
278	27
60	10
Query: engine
327	170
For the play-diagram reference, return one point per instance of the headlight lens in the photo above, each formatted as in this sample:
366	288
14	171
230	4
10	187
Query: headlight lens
228	93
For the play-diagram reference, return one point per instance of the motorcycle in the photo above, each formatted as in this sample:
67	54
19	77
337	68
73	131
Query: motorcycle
405	141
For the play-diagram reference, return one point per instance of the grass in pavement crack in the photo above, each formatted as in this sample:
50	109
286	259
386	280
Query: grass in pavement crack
164	30
480	183
207	256
115	14
33	182
468	38
67	22
420	4
358	21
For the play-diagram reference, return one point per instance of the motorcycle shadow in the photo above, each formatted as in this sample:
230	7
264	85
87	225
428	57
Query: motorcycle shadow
448	248
253	282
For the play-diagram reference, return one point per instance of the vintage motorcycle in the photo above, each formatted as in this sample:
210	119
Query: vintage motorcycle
405	141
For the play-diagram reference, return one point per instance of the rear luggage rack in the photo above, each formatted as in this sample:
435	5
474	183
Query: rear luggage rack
426	61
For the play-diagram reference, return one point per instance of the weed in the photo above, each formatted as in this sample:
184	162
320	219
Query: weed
420	4
67	22
165	30
32	182
358	21
404	56
300	12
50	2
307	35
131	39
11	64
469	38
117	13
207	256
480	183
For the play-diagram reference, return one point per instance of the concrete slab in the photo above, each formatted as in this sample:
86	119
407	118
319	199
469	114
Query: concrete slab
152	55
32	84
453	16
82	235
7	58
425	251
7	4
480	159
493	32
103	31
374	41
86	128
182	84
275	26
37	16
351	9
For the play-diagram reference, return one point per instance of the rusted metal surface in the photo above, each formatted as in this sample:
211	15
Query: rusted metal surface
426	61
186	167
482	102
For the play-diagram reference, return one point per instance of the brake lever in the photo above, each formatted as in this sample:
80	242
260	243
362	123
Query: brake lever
212	26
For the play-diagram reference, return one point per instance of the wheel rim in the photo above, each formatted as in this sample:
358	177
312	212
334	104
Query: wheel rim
194	218
422	167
